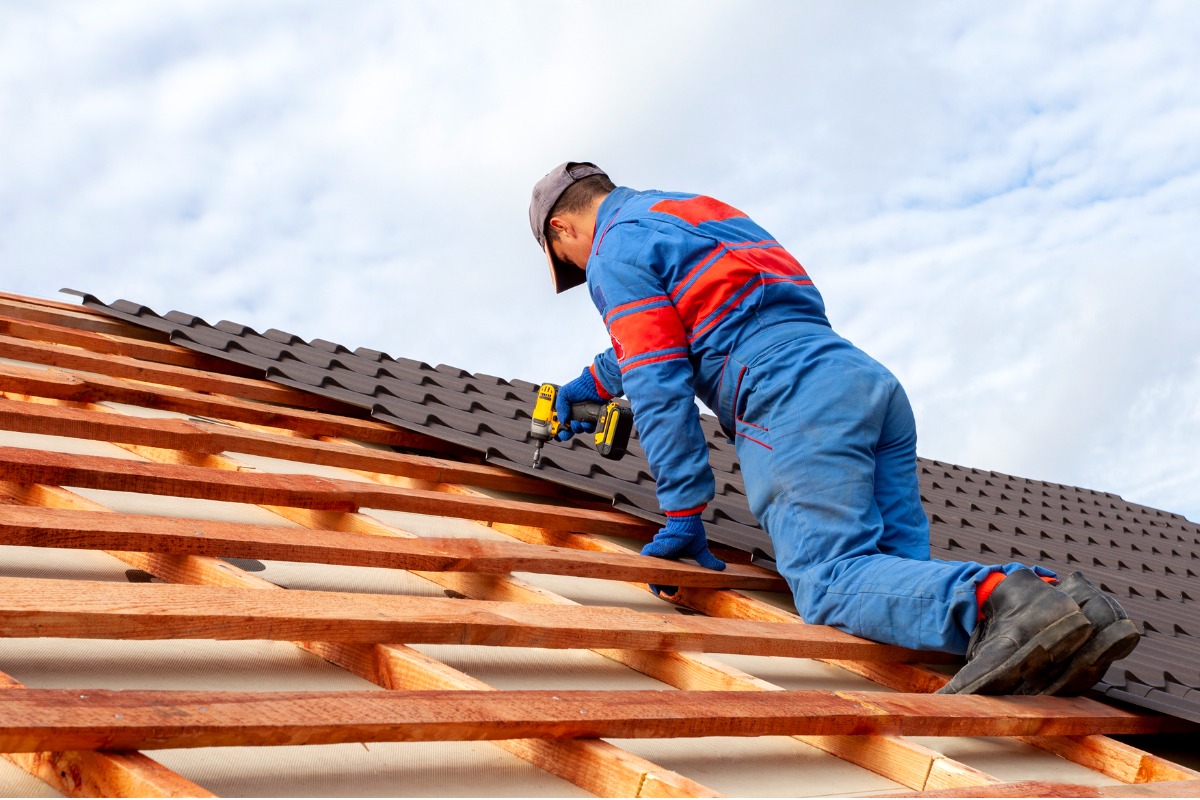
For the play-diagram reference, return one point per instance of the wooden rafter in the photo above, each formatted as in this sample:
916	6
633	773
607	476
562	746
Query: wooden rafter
1107	756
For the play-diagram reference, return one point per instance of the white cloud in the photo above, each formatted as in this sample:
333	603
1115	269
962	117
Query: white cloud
998	202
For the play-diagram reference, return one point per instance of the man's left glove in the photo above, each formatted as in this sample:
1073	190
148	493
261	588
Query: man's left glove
581	390
683	537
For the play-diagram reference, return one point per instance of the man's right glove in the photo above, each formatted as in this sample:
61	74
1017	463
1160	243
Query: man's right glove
683	537
581	390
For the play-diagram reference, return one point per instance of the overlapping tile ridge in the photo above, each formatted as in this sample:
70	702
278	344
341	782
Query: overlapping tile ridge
1147	558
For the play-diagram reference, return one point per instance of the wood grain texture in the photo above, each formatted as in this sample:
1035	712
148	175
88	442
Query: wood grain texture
31	607
198	436
98	530
1181	788
59	385
118	366
78	317
94	774
55	719
110	344
1102	754
83	773
594	765
26	465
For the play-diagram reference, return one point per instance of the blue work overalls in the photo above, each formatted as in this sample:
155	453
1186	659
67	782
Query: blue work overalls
700	301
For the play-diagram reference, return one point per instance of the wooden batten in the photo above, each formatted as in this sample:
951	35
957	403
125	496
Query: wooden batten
76	317
31	607
37	383
92	774
53	719
94	359
23	465
109	344
61	528
163	374
200	436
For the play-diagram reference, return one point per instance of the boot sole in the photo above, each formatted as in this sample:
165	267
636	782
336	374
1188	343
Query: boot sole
1087	667
1056	643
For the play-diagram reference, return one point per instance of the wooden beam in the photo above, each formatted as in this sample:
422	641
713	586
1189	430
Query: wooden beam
165	374
109	344
198	436
52	384
1099	753
98	530
83	319
31	607
1116	759
596	766
1014	789
84	773
25	465
1182	788
95	774
895	758
593	764
56	719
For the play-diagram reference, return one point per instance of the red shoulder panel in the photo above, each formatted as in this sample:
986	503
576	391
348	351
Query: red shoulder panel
697	209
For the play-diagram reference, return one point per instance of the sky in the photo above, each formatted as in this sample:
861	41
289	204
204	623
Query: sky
1000	202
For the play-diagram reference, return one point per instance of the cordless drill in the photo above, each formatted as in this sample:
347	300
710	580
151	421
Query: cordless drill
614	423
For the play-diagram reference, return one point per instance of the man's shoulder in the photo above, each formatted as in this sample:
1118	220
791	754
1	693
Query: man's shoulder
640	204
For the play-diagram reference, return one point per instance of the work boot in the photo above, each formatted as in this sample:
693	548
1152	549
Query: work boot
1028	626
1113	636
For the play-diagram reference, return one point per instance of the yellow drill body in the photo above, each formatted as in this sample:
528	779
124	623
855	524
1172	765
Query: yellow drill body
613	421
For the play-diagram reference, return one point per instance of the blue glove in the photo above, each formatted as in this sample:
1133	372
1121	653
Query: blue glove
580	390
683	537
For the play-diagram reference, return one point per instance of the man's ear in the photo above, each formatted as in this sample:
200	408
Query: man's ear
563	226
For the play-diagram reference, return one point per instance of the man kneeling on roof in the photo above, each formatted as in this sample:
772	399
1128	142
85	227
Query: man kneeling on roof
700	301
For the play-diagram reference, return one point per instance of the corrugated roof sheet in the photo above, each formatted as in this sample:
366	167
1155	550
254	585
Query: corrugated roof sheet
1147	558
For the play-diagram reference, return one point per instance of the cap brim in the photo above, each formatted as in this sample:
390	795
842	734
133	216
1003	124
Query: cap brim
563	275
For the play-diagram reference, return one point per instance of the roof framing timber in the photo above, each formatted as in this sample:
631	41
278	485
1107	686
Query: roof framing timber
598	766
33	607
25	465
594	765
58	719
89	530
86	773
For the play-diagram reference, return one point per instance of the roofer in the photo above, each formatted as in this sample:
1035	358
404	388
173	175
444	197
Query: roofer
700	301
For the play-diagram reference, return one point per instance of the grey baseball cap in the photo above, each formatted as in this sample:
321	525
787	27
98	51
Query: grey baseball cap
545	194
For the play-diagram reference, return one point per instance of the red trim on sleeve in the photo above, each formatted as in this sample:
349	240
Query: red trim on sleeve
687	512
605	394
651	330
697	209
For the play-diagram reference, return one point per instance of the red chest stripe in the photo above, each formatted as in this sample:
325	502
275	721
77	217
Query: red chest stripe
697	209
727	275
